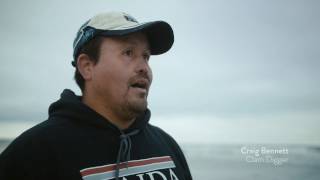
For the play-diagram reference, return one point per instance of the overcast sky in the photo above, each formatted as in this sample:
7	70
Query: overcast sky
239	70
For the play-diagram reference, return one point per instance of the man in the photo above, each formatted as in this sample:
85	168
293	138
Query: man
105	133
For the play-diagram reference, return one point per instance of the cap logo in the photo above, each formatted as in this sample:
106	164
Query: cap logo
130	18
80	34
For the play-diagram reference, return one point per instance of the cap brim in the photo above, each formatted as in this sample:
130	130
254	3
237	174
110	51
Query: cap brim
159	34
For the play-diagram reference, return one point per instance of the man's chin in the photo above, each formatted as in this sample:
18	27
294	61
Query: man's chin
138	106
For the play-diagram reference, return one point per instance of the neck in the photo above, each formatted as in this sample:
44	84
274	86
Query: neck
121	121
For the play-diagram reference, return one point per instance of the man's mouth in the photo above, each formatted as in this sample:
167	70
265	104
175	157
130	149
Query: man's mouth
141	85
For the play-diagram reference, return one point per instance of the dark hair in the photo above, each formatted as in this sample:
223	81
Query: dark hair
92	49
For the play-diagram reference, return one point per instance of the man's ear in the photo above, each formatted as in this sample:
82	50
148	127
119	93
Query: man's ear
85	66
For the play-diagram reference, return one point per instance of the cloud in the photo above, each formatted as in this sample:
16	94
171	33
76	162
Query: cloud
230	58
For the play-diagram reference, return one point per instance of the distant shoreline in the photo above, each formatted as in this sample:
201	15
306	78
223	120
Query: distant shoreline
4	142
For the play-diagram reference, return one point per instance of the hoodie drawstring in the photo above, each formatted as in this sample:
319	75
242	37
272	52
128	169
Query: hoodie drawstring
124	150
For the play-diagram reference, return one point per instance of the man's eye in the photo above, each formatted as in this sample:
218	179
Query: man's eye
146	57
128	52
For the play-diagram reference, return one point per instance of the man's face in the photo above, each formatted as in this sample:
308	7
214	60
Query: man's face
122	76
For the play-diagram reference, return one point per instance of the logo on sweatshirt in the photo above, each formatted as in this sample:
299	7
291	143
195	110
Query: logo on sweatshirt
152	168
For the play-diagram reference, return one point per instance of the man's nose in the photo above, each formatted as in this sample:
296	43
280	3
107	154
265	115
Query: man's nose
143	67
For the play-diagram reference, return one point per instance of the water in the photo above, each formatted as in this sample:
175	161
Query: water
225	162
246	162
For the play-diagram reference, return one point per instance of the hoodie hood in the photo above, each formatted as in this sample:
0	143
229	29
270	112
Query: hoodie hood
70	106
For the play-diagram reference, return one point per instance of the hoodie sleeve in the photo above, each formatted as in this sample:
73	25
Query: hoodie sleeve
181	156
27	157
178	152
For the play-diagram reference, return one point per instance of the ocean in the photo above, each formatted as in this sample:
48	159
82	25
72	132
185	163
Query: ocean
256	162
249	162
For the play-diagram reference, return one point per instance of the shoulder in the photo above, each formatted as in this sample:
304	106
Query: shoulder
29	151
160	133
171	142
157	130
29	139
36	139
39	131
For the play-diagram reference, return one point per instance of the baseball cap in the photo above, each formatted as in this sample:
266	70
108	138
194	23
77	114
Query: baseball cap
112	24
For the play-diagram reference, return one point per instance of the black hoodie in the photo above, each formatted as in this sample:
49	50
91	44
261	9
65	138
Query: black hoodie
78	143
